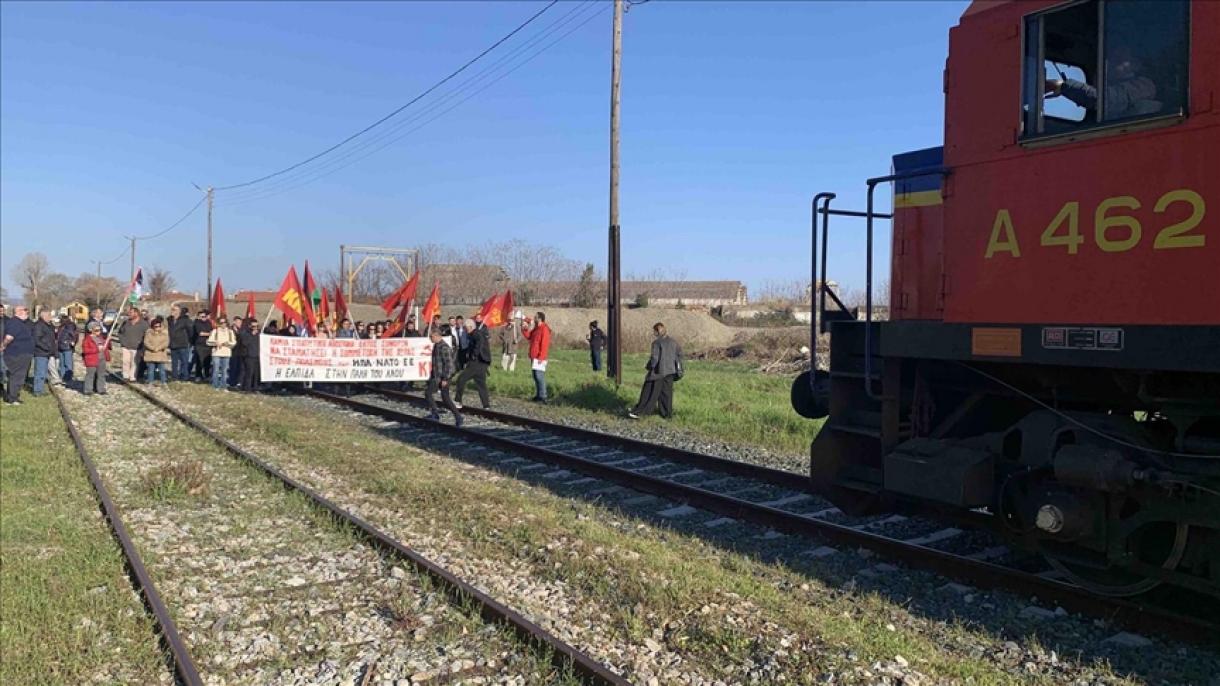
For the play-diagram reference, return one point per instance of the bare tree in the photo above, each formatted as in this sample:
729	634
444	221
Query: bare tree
31	274
160	283
97	291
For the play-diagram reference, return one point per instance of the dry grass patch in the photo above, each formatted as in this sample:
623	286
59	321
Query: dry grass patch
176	480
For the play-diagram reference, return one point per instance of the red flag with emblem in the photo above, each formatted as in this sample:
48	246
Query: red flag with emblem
218	301
431	308
341	312
250	311
401	297
492	311
324	309
290	299
506	308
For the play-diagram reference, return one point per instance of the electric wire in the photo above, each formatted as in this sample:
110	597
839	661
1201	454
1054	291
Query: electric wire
173	226
289	179
1081	424
387	117
116	258
472	87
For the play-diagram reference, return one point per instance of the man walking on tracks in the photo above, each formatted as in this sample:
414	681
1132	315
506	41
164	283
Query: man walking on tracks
478	360
664	367
442	370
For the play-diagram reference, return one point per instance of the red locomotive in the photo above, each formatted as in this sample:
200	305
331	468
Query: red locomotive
1053	353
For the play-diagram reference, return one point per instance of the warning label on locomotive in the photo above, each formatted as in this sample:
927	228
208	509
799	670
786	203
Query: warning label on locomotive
993	342
1081	338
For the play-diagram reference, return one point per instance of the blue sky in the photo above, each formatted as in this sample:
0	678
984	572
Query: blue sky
734	114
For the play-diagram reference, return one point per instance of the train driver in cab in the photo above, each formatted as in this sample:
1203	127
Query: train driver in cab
1127	92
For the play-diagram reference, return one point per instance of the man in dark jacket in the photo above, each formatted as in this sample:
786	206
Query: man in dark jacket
478	360
597	341
45	347
248	341
181	341
664	365
65	339
442	370
131	338
239	355
18	347
201	368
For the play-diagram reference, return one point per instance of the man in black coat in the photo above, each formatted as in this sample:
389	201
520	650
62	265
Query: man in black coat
441	371
45	347
181	341
597	341
478	360
17	345
664	366
201	367
248	341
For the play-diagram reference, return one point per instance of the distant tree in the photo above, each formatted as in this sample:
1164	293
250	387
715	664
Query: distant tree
160	283
31	275
681	305
586	289
641	299
97	291
3	295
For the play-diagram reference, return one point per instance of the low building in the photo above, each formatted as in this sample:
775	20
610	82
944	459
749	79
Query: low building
702	294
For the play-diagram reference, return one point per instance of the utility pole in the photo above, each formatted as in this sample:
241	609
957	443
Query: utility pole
133	256
211	197
614	314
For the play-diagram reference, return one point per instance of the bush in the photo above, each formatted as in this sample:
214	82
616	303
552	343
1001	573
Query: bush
641	300
174	480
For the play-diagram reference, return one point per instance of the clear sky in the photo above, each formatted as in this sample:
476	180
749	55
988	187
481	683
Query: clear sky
733	115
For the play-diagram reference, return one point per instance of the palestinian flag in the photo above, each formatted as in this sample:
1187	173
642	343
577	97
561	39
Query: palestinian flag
312	295
136	289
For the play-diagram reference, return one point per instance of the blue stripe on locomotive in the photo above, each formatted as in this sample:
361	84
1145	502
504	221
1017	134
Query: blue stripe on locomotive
920	191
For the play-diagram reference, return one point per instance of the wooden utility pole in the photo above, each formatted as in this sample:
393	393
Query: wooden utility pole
614	314
133	256
211	196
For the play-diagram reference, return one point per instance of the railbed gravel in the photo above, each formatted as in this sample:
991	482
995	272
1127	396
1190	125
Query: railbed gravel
264	589
994	626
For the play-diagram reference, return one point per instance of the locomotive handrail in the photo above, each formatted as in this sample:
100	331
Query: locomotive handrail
868	270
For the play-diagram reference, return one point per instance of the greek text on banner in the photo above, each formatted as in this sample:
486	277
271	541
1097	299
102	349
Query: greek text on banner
339	360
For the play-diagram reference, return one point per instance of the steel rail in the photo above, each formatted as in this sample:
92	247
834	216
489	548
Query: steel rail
775	477
180	658
977	572
563	655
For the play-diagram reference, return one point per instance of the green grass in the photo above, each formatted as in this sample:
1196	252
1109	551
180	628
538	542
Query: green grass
67	611
724	401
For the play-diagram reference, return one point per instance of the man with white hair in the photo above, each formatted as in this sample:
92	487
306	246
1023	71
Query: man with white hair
18	348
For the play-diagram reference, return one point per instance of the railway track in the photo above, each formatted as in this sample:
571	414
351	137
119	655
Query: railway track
740	492
257	578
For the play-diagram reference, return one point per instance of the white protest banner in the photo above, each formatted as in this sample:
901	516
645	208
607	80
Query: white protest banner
355	360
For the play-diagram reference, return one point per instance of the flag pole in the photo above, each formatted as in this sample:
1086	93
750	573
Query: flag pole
118	323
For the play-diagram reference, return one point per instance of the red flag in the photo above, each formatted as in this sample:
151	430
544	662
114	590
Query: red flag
250	311
290	299
218	302
311	289
431	308
492	311
401	297
340	305
506	308
324	312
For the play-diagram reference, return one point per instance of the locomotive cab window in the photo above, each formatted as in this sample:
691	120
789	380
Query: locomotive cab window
1104	62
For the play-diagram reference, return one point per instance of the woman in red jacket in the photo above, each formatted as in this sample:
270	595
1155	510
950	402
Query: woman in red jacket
539	335
96	356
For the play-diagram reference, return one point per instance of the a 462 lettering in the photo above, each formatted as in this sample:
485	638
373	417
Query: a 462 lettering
1114	228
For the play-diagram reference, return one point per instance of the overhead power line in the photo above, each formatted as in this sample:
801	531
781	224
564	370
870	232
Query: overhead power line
392	114
471	87
173	226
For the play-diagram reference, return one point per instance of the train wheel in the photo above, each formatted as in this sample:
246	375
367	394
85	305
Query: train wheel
1161	544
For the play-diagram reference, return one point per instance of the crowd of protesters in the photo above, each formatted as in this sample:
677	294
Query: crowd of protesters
225	353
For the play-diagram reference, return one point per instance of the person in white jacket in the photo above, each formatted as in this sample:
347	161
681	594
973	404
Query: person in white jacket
221	341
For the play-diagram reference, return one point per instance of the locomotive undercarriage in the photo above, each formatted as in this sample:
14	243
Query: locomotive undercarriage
1112	474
